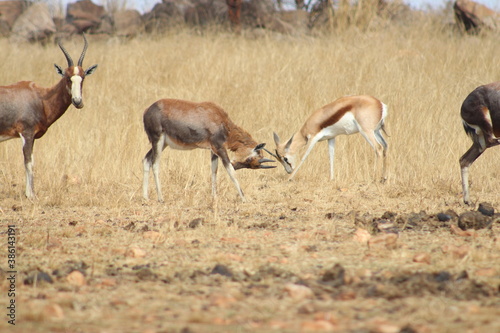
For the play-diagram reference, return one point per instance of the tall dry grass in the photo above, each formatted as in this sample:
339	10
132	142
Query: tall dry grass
266	83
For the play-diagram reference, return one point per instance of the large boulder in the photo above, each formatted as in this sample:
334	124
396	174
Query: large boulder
34	25
9	12
85	16
166	14
207	11
127	23
474	16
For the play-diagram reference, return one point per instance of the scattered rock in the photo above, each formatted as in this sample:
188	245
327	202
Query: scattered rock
76	278
335	276
474	220
135	252
196	223
424	258
53	311
297	291
221	270
37	278
443	217
486	209
362	236
146	274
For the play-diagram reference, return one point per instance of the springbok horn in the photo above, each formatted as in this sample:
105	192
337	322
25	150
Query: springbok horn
80	61
66	54
273	155
265	160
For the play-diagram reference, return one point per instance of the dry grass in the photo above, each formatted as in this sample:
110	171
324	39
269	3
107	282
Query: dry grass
88	170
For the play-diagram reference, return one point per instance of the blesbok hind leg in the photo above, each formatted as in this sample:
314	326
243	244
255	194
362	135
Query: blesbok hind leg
214	166
465	162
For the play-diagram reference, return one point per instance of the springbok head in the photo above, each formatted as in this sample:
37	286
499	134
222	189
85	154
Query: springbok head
254	160
283	154
75	75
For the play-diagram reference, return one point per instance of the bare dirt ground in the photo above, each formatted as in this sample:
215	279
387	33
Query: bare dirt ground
354	259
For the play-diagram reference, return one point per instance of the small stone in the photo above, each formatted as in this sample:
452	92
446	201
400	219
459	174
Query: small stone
76	278
196	223
221	270
442	217
486	209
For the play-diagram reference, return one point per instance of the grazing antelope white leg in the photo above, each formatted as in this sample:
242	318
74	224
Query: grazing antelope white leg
331	154
480	113
28	110
187	125
347	115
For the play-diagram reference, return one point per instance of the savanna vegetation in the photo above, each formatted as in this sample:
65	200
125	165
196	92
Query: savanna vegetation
305	255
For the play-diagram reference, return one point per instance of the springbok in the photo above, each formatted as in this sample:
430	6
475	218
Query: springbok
27	110
480	114
347	115
188	125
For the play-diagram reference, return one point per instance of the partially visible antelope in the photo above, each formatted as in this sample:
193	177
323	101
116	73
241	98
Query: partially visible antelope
347	115
27	110
188	125
480	114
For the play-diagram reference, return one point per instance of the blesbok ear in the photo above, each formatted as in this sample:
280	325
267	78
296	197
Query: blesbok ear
276	139
90	70
287	146
259	147
59	70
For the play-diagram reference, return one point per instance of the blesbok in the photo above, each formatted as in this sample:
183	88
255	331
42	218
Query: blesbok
480	114
27	110
188	125
347	115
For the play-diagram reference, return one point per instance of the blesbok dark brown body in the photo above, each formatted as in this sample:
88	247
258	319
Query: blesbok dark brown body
27	110
187	125
347	115
480	115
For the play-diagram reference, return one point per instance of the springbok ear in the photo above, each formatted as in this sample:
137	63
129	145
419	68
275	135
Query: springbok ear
90	70
287	146
259	147
59	70
276	139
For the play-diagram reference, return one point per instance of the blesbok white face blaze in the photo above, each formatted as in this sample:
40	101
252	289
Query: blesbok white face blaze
76	88
347	115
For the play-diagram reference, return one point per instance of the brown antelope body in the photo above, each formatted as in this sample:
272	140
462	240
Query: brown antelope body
27	110
347	115
187	125
480	115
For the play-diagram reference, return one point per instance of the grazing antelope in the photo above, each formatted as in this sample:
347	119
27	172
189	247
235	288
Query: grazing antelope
187	125
347	115
480	114
27	110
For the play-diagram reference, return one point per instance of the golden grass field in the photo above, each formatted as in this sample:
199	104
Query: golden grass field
147	265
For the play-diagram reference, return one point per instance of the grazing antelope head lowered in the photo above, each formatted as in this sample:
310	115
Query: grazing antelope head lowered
480	113
28	110
187	125
346	115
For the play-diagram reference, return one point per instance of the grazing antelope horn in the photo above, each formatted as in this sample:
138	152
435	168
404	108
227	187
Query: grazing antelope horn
273	155
66	54
80	61
265	160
